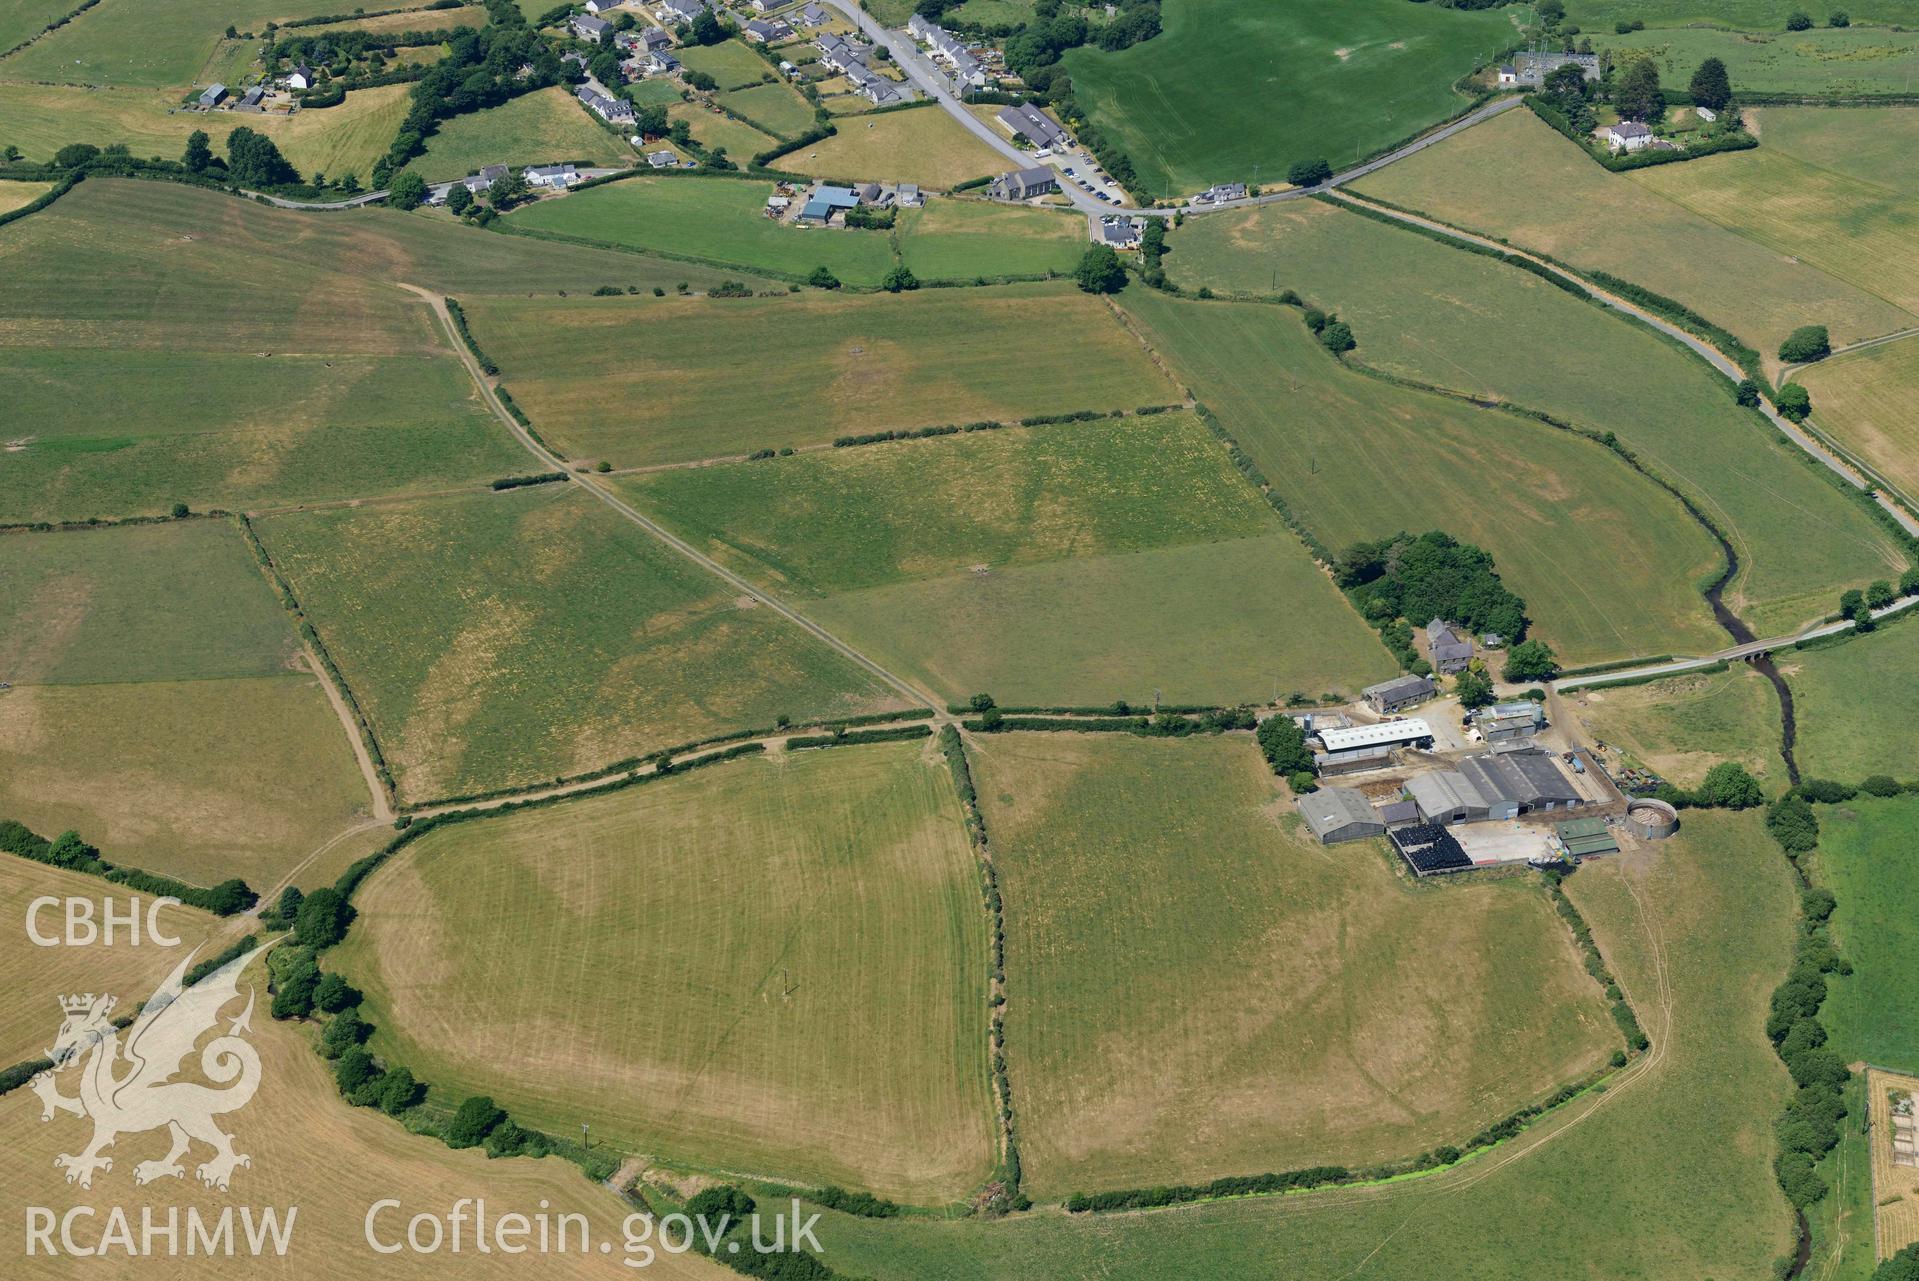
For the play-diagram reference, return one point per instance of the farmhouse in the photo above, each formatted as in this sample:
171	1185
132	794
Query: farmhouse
588	27
214	95
827	201
1499	785
555	177
1024	184
1533	68
762	32
613	110
1509	722
479	182
1391	696
1627	135
1029	122
1451	651
908	194
1411	732
301	77
1338	814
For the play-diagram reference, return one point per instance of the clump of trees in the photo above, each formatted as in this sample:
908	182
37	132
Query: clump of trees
1432	575
1794	401
1283	743
1711	87
1531	660
68	850
1805	345
1798	20
1636	93
1567	90
1099	271
1309	173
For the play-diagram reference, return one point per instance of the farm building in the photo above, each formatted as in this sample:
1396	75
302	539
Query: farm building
1024	184
1029	122
1429	850
1495	786
1584	837
827	201
1388	697
251	98
1351	761
214	95
1411	732
1509	722
1340	814
1451	650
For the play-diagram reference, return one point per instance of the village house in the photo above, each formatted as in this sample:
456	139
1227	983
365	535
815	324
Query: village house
1024	120
1220	193
1024	184
552	177
762	32
813	15
655	38
588	27
1121	232
616	111
839	54
682	10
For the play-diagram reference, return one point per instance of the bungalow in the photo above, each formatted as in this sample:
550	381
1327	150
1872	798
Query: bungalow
214	96
1220	193
1024	184
662	159
552	176
908	194
588	27
1627	135
1451	651
301	77
813	16
612	110
1121	233
682	10
656	38
839	53
1391	696
876	89
1028	122
761	32
826	201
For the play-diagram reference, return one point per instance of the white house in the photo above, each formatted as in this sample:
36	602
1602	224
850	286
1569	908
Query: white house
301	77
557	177
1627	135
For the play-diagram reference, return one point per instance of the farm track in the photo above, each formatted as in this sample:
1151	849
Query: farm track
899	683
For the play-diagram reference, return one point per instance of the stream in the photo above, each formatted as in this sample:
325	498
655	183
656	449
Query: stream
1741	634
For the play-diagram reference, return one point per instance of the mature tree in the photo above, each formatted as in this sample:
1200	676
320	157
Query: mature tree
1795	402
823	278
354	1068
1283	743
1309	173
458	198
333	994
199	152
1711	86
507	189
1798	20
1729	787
1852	605
399	1091
253	160
1474	687
1879	594
1805	345
708	29
323	918
1099	271
1636	94
293	989
1746	392
651	121
69	850
408	191
900	278
475	1120
1839	18
1550	11
75	154
1337	336
9	154
1530	661
1903	1266
287	906
1909	582
344	1031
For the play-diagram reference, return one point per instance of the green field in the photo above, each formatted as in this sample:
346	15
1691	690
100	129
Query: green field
1426	311
1682	726
731	63
25	19
166	602
716	220
641	381
1015	561
1868	401
965	239
118	42
1750	15
773	965
568	639
1196	990
777	108
1873	144
534	128
925	145
1608	564
1840	63
1576	211
712	129
1339	82
1869	858
1854	701
1683	1147
200	779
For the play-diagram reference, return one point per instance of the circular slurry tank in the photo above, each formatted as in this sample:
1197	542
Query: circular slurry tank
1651	820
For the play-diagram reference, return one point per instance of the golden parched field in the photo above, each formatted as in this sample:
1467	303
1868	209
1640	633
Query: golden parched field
1197	988
1868	402
774	965
1514	178
643	380
925	146
1683	726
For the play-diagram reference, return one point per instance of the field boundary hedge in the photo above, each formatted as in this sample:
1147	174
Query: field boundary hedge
228	898
896	735
1004	1193
59	189
311	635
1646	159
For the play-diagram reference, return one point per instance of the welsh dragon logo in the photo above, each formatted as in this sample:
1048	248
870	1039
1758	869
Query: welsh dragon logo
130	1089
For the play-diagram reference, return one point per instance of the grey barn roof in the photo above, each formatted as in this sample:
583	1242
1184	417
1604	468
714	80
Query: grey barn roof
1331	808
1401	687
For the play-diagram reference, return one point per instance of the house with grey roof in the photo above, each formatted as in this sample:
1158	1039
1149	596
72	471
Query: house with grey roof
1220	193
1121	233
301	77
1338	814
1025	184
662	159
556	177
1397	694
1627	135
812	15
1024	120
840	54
616	111
908	194
588	27
1451	650
683	10
655	38
761	31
